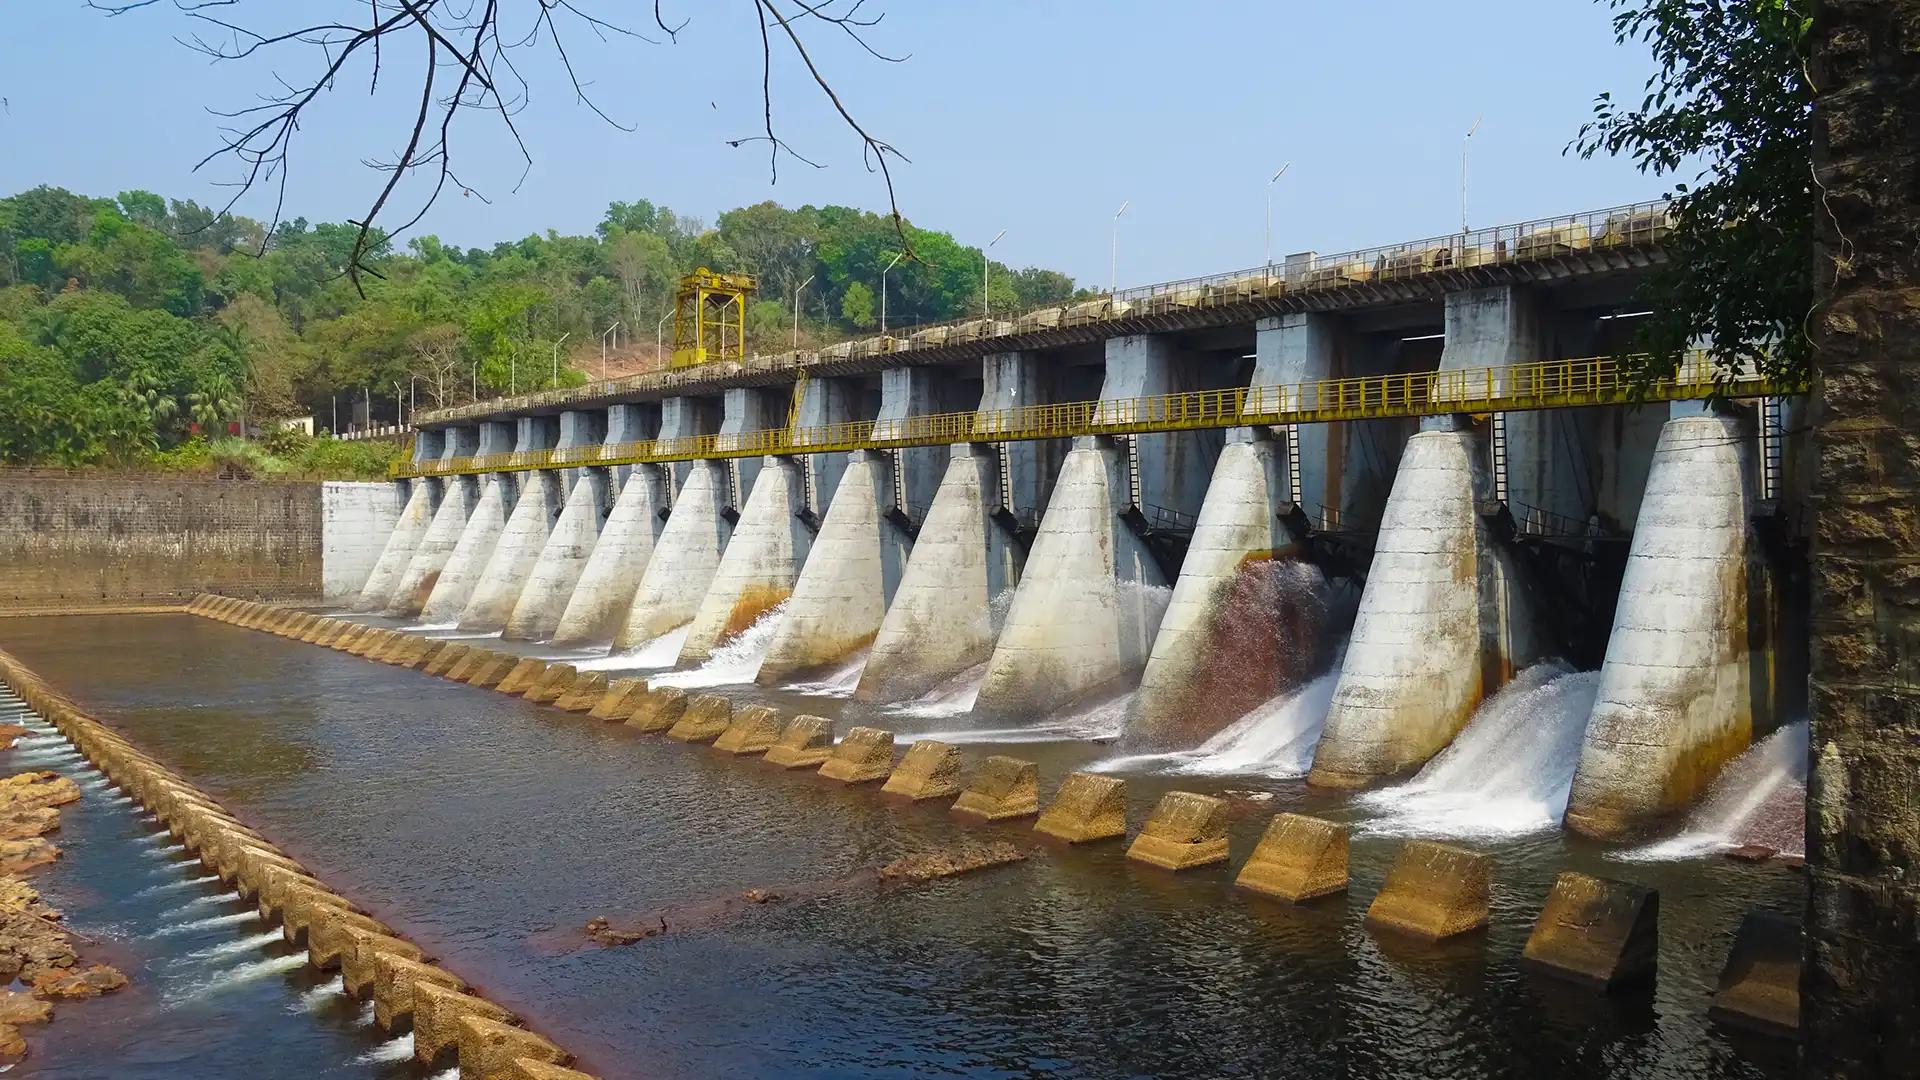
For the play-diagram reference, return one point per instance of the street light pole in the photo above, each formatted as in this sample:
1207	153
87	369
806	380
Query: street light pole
1463	172
556	357
796	309
883	291
985	263
1113	251
603	349
1270	182
659	328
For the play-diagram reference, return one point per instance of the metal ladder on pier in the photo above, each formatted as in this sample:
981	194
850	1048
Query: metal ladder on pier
1497	445
900	513
1006	515
731	511
808	513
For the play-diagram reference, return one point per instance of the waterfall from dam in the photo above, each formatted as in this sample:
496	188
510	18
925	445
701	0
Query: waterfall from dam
1760	798
658	654
1508	771
736	662
1275	739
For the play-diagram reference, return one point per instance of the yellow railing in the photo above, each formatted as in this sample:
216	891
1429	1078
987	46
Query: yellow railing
1550	385
1634	225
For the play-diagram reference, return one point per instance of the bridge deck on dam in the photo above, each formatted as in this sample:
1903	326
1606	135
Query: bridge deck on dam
1591	245
1548	385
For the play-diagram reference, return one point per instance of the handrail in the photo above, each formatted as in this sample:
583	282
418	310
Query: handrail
1518	388
1626	226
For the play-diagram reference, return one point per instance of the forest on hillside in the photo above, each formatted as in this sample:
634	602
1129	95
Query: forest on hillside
135	328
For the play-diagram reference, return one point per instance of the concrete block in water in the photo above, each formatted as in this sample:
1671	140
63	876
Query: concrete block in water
1002	788
428	654
394	980
1433	891
1595	931
659	710
447	659
274	888
584	694
437	1012
1760	986
488	1048
1186	830
466	659
806	742
521	676
327	934
705	718
1086	808
1299	858
490	668
552	683
618	702
415	650
754	730
865	755
362	948
530	1069
930	770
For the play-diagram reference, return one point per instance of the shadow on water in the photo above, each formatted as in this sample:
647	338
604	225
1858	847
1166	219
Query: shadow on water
481	825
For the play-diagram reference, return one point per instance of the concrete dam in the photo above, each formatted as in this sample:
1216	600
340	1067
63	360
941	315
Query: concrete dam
1311	519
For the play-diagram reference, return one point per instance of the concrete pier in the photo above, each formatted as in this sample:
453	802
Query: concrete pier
942	619
415	517
436	546
684	559
478	536
761	563
562	561
516	554
1443	621
1681	686
604	594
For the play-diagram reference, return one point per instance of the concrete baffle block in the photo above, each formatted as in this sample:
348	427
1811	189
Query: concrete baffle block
490	669
614	705
1086	808
303	905
705	718
327	935
584	694
394	979
1184	831
930	770
530	1069
1602	933
488	1048
1299	858
430	652
1002	788
660	710
1433	891
806	742
449	659
754	730
437	1012
363	947
1760	986
521	676
552	683
865	755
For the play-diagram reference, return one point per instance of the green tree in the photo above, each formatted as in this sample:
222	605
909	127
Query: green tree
1731	102
856	305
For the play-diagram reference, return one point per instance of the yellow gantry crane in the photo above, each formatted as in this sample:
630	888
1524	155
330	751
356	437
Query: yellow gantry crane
710	318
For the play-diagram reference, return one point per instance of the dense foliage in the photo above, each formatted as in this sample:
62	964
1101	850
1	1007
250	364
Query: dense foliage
1730	97
131	326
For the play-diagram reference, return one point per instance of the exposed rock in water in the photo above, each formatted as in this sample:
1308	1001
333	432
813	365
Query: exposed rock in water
903	872
26	790
9	733
77	984
20	856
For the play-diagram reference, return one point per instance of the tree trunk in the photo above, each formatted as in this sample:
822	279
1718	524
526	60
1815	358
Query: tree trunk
1860	1008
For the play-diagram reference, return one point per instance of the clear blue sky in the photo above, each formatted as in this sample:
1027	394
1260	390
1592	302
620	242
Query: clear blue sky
1039	118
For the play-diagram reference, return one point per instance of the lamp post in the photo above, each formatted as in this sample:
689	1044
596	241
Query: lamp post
556	357
796	309
883	291
1270	182
603	349
1466	139
659	328
513	370
476	380
985	263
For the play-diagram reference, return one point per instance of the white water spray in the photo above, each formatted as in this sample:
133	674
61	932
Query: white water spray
1095	722
400	1049
236	976
1509	771
237	948
658	653
318	998
738	661
1274	740
1760	798
172	886
838	683
955	697
234	919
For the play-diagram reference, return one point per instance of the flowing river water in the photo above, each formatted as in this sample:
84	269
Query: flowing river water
489	829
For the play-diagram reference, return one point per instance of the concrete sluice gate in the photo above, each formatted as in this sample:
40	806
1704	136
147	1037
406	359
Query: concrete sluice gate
1373	580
